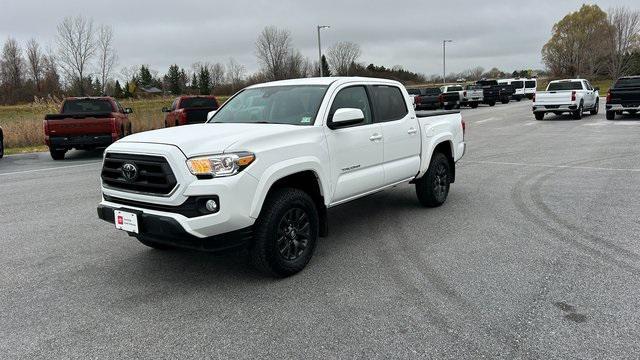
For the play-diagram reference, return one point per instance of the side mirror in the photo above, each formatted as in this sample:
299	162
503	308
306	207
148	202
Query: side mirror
128	110
165	109
210	114
346	117
596	88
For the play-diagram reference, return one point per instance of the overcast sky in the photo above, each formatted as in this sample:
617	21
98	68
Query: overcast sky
507	33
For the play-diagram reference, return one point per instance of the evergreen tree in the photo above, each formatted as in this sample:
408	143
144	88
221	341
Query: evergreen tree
117	91
184	79
194	82
145	78
325	67
204	81
172	80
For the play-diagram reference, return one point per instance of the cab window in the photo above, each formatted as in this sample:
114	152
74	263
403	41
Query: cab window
353	97
390	103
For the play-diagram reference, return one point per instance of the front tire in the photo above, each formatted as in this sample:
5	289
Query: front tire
611	115
57	154
596	108
474	105
492	103
1	148
432	188
285	234
539	115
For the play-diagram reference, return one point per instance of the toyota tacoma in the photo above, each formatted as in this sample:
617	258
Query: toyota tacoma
264	169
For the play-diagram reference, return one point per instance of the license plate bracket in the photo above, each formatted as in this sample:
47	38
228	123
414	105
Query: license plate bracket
127	220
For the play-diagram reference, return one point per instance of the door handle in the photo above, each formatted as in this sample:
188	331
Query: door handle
375	137
412	131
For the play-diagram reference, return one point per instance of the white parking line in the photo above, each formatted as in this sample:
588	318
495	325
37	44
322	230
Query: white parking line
48	169
485	120
549	166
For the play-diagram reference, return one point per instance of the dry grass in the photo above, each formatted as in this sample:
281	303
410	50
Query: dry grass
23	124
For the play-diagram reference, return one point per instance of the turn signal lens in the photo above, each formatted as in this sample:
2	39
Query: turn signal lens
220	165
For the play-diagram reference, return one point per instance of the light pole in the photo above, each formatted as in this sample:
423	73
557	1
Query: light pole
320	27
444	60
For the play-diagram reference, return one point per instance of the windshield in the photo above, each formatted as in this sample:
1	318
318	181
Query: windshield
86	106
628	82
292	104
565	85
198	102
454	88
432	91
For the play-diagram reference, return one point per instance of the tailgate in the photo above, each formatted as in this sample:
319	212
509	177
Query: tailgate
80	125
625	97
197	116
553	98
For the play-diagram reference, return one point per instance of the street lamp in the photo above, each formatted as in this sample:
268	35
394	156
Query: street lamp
444	60
320	27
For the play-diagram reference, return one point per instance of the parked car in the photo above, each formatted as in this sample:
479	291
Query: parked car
85	123
624	96
472	96
451	96
530	88
426	98
1	143
187	110
573	96
264	170
518	87
506	92
490	91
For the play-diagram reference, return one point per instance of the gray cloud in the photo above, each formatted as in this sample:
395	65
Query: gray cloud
507	34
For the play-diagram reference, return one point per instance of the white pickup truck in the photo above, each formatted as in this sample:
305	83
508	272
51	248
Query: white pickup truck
574	96
265	168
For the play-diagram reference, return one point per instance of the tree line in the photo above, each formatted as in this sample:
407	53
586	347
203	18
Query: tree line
593	43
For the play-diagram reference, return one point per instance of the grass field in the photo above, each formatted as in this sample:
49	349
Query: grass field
23	124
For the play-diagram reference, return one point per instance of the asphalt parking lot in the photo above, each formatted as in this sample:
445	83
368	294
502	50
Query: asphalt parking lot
535	255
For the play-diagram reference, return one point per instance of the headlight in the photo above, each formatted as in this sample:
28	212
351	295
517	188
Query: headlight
220	165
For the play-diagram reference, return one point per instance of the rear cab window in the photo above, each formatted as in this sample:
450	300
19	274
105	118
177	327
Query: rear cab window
627	82
565	85
389	103
87	106
199	102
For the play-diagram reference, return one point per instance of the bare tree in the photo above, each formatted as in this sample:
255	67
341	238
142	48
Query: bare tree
342	55
217	74
107	56
35	59
624	38
273	49
11	70
76	48
235	74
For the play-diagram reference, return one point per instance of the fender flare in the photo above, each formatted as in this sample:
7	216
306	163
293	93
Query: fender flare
281	170
429	146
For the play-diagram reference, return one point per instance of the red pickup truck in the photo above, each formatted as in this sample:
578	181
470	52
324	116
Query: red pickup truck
187	110
85	123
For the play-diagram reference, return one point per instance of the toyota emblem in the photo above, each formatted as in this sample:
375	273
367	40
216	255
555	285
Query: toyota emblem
129	172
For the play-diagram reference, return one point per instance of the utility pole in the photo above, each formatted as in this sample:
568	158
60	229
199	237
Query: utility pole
320	27
444	60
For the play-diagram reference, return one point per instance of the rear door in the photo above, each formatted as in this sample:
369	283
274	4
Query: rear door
356	151
400	131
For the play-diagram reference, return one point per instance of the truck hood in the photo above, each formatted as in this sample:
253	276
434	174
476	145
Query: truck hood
210	138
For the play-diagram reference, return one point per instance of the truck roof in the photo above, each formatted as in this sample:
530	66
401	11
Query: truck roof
89	98
566	80
324	81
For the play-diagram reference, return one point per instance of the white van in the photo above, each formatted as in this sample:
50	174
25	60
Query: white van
530	86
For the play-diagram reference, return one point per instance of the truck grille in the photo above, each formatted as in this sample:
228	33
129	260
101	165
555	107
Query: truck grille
150	174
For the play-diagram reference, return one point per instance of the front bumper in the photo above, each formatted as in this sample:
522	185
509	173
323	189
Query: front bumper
167	230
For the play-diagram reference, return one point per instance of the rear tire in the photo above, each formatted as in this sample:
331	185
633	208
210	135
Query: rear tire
577	115
611	115
539	115
285	234
57	154
505	101
492	103
1	148
596	108
156	245
432	188
474	105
